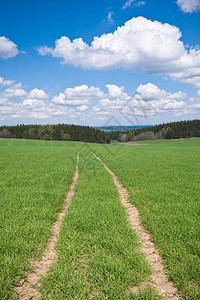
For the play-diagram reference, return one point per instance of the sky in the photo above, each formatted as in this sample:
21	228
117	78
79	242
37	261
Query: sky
98	63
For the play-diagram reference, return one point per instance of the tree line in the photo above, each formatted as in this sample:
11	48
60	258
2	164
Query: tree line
173	130
57	132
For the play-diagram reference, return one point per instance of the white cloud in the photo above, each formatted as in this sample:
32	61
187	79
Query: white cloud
15	90
84	91
38	115
79	95
3	101
189	6
96	109
37	94
83	107
196	105
114	90
127	4
33	102
109	17
75	104
7	48
158	99
4	82
198	93
140	3
147	102
150	91
174	104
133	46
63	100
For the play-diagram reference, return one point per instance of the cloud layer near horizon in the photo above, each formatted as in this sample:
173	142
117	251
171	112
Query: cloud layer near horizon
91	103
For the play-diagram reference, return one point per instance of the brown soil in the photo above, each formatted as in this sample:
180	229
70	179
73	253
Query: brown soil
159	280
29	289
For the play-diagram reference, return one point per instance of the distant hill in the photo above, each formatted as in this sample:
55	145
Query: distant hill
173	130
121	128
55	132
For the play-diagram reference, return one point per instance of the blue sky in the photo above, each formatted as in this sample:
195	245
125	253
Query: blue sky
99	62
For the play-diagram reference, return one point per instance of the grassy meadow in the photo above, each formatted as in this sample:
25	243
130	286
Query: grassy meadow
34	178
98	252
162	178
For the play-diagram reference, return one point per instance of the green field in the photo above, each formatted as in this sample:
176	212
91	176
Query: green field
34	178
162	178
98	252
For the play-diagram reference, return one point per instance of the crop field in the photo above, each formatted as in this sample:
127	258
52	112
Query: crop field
34	178
162	178
99	254
98	251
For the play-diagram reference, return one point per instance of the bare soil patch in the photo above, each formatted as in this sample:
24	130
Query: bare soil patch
30	288
159	279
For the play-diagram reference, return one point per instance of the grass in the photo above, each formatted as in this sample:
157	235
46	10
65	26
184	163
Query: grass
163	183
98	252
34	178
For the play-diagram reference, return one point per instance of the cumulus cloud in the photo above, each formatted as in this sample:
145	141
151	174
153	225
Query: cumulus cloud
33	102
189	6
76	103
35	98
7	48
4	82
61	99
133	46
15	90
16	102
79	95
150	91
83	107
38	115
115	91
37	94
148	102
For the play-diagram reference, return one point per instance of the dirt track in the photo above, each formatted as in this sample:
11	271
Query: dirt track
30	289
159	280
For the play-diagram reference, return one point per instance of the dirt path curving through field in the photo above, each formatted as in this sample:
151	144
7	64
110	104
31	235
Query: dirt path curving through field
30	289
159	280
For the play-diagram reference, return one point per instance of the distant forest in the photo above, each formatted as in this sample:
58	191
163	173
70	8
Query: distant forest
174	130
60	132
55	132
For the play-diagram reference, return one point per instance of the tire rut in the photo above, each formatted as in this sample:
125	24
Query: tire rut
159	279
30	289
